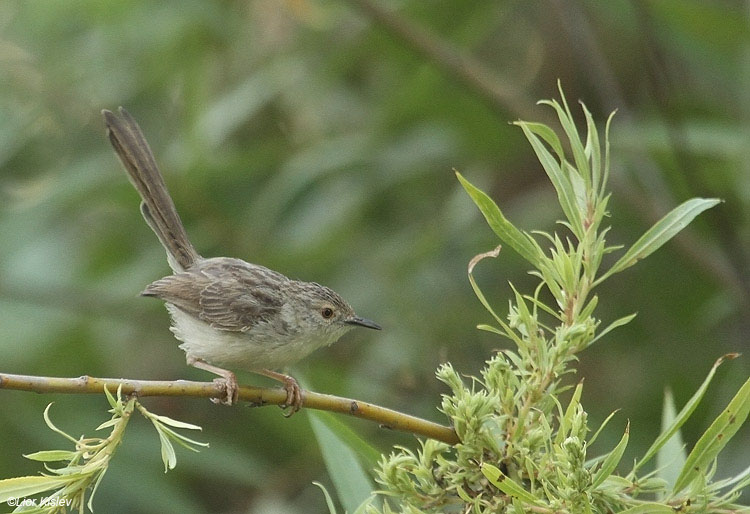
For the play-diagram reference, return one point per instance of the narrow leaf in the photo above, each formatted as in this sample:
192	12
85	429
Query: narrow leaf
327	496
559	178
509	333
352	484
549	136
490	328
568	125
366	507
368	454
567	419
593	149
22	487
664	230
603	186
612	460
110	399
182	440
168	455
51	455
649	508
507	485
52	426
684	414
715	438
601	427
110	423
617	323
175	423
99	479
670	459
505	230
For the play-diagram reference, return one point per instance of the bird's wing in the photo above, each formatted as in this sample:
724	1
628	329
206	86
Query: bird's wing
228	294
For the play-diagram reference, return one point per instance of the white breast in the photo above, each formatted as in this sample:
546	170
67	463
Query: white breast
250	351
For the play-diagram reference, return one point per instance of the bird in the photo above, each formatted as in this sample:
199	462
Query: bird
228	313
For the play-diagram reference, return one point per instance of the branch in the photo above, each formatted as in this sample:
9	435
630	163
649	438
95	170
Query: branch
257	396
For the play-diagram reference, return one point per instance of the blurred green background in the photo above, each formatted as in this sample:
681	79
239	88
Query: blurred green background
318	138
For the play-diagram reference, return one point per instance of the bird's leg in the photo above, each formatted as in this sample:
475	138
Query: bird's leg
293	390
228	380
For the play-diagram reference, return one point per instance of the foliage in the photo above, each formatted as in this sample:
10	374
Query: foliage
85	466
307	137
521	449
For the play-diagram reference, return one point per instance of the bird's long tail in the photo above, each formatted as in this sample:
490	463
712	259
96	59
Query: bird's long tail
157	207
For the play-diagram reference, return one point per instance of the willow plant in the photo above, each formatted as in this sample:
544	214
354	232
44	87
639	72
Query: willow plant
522	450
73	476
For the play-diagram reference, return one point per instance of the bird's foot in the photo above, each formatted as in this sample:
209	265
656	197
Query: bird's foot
230	387
293	391
228	380
293	396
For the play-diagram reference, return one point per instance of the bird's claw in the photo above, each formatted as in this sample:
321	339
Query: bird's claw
293	396
230	387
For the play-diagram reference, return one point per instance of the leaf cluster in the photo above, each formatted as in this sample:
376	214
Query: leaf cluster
85	466
521	450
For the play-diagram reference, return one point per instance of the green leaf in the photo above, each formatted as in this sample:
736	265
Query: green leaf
507	331
490	328
588	310
617	323
352	484
664	230
94	489
567	419
649	508
167	436
603	186
464	495
671	457
22	487
549	136
366	507
52	426
593	149
684	414
569	126
109	423
182	440
715	438
327	496
111	399
51	455
367	453
174	423
520	241
559	178
601	427
613	459
168	455
507	485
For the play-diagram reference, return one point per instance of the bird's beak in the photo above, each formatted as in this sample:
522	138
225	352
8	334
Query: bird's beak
362	322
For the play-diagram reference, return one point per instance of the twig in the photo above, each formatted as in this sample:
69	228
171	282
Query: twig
257	396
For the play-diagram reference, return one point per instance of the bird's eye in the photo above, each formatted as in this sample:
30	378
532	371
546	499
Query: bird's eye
327	313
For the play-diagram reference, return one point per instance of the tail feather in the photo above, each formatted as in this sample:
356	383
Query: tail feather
157	206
